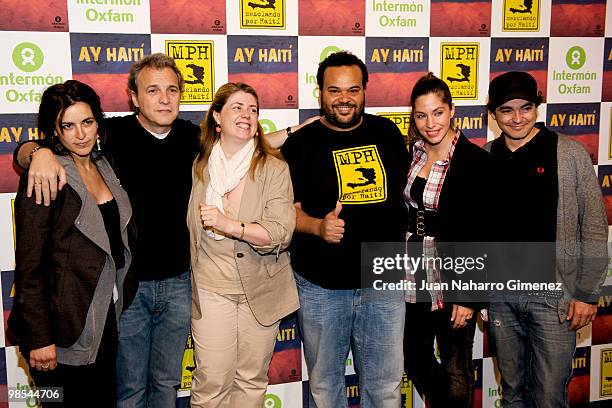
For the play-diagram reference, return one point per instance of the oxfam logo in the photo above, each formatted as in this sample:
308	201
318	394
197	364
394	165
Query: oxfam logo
575	57
327	51
272	401
267	125
28	57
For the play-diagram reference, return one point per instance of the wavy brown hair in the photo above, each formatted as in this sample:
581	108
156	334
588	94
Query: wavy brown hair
209	136
428	84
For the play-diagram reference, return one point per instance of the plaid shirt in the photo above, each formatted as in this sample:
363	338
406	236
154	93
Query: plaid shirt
431	196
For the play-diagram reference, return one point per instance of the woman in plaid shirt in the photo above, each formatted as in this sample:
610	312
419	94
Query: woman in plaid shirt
445	199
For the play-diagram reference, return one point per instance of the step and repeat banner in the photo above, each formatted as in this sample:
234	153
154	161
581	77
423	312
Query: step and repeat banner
276	46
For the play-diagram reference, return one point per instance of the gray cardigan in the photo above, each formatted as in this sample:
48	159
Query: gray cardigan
90	223
582	227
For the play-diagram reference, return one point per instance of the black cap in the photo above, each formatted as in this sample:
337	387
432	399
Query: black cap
512	85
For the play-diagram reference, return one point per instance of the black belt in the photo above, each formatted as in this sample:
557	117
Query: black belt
423	222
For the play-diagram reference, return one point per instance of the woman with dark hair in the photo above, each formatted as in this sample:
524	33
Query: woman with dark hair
241	218
72	257
444	196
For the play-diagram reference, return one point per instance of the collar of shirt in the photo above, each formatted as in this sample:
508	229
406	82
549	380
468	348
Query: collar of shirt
539	141
436	176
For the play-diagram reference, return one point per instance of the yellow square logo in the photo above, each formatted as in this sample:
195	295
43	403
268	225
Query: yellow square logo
188	366
521	15
605	388
361	175
407	392
195	60
262	14
459	68
401	120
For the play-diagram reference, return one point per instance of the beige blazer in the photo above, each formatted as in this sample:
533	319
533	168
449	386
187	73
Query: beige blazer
265	272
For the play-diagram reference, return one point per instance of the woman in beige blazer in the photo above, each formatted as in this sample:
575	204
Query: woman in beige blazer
241	218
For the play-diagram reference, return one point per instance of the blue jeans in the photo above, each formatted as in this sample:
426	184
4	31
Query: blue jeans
152	337
333	320
534	351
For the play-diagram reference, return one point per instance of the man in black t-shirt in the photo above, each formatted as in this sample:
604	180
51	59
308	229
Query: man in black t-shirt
348	171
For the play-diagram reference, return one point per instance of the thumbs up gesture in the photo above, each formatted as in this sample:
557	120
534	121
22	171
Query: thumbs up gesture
332	227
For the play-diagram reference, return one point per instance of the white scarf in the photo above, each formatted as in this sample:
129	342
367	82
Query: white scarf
225	174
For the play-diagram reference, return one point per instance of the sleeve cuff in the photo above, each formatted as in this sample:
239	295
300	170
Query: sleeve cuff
586	297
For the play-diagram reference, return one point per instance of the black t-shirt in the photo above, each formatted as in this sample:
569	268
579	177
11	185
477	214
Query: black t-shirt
365	169
156	173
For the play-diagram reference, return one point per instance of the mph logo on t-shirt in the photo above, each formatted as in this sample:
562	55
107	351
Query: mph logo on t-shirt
361	175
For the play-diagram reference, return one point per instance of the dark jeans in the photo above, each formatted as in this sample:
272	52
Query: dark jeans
93	382
534	351
449	383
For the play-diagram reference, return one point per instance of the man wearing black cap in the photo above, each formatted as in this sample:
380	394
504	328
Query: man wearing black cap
545	192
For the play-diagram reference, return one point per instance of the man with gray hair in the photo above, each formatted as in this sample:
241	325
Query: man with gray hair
151	152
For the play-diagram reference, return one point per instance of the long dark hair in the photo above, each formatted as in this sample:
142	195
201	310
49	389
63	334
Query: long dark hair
209	134
54	102
428	84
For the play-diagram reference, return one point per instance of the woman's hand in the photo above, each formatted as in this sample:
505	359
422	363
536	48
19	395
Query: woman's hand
212	217
44	359
461	316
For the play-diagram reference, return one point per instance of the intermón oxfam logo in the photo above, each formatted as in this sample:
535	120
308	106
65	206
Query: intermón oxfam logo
575	57
28	57
272	401
267	125
327	51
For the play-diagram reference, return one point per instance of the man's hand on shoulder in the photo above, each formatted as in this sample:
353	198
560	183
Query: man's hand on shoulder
45	177
277	139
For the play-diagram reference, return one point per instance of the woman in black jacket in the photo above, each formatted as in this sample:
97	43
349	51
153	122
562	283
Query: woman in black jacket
445	199
72	257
